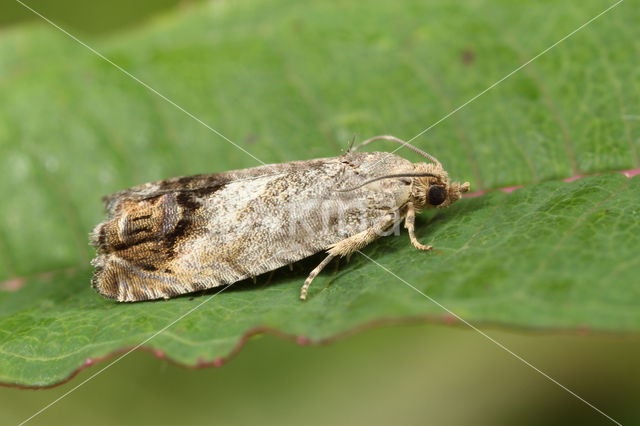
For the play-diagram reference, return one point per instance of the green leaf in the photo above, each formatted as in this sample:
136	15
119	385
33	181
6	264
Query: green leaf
289	81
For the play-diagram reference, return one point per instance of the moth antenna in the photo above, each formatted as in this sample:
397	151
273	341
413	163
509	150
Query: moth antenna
401	142
353	140
388	177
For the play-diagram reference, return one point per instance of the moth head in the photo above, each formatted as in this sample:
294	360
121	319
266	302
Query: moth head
429	182
433	189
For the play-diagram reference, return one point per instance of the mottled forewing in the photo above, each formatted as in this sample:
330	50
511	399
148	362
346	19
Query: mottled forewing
192	233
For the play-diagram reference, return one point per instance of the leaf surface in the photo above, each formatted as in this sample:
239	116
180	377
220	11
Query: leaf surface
290	81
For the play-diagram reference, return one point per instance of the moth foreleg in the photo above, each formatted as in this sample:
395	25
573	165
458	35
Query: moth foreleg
345	248
409	223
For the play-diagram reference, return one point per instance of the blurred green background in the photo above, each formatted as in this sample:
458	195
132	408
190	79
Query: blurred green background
405	374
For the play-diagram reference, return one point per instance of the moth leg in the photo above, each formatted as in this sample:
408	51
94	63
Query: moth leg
345	248
312	275
409	223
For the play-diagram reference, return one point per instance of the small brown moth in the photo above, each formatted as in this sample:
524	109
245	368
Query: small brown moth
192	233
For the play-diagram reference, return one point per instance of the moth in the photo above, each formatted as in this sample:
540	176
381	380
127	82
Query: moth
186	234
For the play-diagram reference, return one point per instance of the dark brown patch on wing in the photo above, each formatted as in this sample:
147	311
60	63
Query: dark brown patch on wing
199	184
136	246
139	222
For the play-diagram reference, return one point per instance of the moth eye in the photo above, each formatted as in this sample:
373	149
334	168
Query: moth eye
437	195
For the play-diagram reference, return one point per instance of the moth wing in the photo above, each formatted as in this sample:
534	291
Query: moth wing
187	234
200	184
